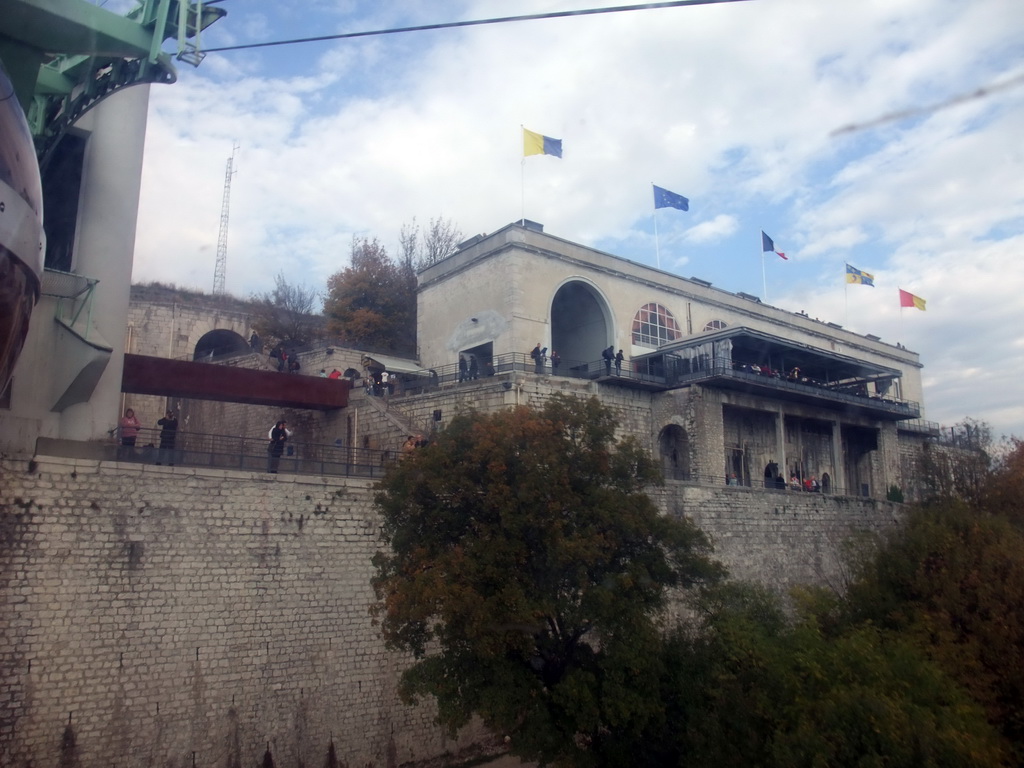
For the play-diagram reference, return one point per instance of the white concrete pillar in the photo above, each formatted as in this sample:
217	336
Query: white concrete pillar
105	241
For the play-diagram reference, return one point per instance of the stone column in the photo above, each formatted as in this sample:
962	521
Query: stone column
105	242
707	439
780	442
888	459
838	472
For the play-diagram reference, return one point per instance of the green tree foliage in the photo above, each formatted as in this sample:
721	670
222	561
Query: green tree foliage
287	314
952	582
372	302
527	572
751	688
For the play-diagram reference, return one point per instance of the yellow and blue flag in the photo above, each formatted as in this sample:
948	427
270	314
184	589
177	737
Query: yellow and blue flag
858	277
536	144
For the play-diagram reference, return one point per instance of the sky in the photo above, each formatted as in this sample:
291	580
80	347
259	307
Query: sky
885	134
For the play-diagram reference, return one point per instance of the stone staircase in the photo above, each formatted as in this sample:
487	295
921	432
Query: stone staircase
394	426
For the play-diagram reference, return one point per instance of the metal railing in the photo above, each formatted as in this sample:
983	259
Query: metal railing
194	449
250	454
502	365
824	390
921	426
508	363
775	485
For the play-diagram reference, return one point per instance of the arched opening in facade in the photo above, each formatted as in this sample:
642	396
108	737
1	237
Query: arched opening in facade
773	477
580	324
219	343
674	448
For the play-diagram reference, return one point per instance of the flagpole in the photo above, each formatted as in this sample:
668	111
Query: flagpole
522	177
657	246
764	278
846	301
522	188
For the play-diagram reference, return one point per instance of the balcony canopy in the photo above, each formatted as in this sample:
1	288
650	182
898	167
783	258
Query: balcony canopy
753	361
752	347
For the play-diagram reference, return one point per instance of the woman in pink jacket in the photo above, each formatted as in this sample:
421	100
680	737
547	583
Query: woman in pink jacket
129	429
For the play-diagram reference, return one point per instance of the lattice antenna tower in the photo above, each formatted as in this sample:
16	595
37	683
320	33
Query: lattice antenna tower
221	267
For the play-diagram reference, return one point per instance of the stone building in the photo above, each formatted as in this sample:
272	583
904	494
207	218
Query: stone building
722	387
205	613
736	390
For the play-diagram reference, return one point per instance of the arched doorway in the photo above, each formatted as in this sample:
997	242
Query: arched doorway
219	343
674	449
773	477
581	323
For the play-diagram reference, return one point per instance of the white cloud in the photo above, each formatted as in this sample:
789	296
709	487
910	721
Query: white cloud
723	224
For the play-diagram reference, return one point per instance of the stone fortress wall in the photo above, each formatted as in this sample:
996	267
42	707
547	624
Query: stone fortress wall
154	615
178	617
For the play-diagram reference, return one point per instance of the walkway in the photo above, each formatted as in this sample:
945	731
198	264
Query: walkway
145	375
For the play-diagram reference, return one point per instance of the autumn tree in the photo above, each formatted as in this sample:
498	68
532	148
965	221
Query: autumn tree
372	302
527	571
287	314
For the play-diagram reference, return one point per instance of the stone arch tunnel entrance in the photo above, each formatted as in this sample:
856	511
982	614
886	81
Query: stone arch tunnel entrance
580	323
218	343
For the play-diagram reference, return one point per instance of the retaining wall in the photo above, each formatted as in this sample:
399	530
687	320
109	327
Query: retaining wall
168	616
157	616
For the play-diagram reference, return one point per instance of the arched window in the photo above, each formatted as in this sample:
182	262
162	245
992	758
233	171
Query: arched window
653	325
715	325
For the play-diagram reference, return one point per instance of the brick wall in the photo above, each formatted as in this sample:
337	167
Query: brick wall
156	614
152	612
780	538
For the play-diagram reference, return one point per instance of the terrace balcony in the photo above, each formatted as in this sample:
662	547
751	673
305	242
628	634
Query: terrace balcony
754	362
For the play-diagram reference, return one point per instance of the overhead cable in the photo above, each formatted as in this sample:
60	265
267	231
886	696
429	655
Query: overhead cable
474	23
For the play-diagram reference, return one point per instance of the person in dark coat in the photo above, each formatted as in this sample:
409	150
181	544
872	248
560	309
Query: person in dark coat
538	358
278	437
168	437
